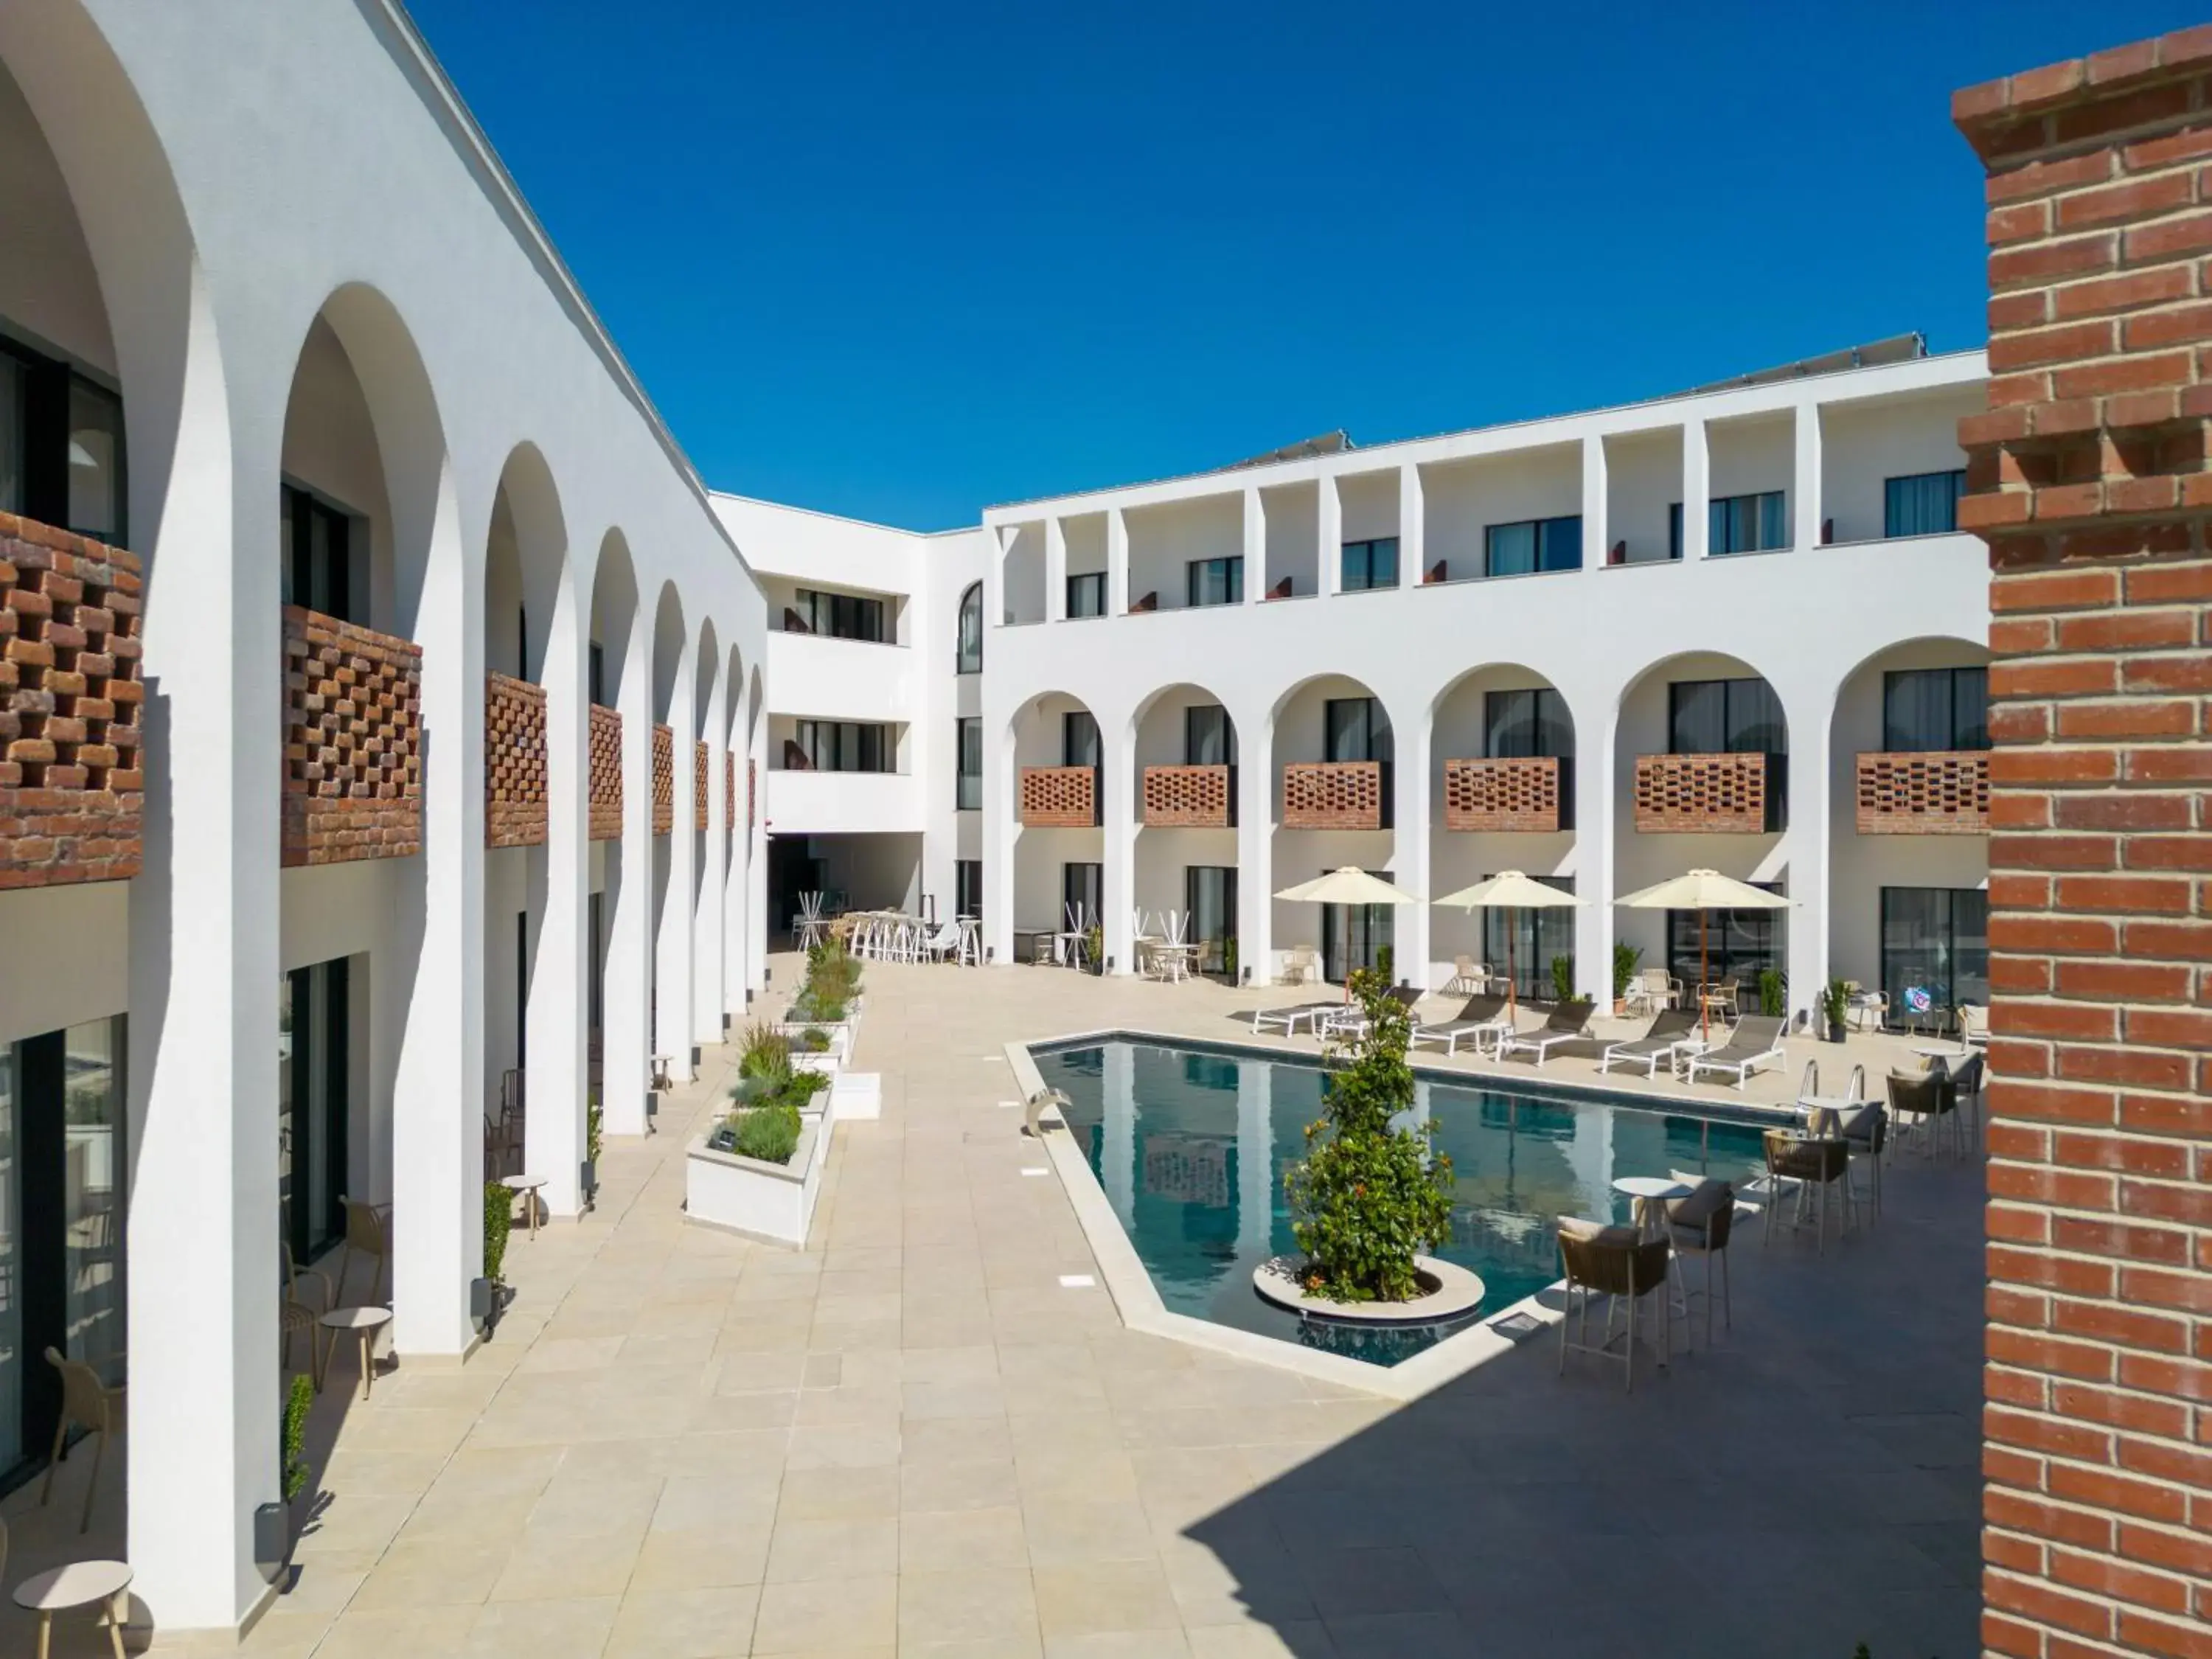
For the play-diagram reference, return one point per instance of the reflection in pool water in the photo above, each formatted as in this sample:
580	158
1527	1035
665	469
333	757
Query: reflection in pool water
1190	1146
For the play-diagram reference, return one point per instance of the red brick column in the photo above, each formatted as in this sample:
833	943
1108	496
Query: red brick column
2090	481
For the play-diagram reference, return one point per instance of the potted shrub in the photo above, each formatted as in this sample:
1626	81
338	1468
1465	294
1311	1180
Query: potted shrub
1228	958
1369	1197
1770	993
1625	958
1835	1003
1563	979
589	1183
759	1171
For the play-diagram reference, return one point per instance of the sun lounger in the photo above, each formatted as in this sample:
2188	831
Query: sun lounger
1350	1019
1566	1023
1288	1019
1481	1014
1658	1044
1756	1041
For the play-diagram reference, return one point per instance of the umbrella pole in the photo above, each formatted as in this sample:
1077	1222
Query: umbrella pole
1512	979
1704	1012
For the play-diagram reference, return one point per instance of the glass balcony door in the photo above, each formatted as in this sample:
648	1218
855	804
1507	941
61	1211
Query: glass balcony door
312	1121
1356	936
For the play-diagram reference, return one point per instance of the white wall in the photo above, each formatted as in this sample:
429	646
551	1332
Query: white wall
1753	454
48	291
1643	479
1863	444
1465	499
1293	532
1164	540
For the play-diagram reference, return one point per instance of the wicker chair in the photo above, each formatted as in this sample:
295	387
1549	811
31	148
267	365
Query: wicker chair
1622	1266
366	1232
87	1403
296	1315
1812	1164
1699	1226
1926	1106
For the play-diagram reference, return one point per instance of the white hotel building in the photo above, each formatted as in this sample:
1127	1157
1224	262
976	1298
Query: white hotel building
389	716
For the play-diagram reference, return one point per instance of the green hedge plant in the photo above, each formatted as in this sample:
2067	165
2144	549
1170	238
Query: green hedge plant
498	1217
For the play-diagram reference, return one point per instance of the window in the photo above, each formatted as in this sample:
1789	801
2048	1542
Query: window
61	445
1078	738
968	745
317	555
1735	524
1209	894
1536	936
1724	717
1371	564
1738	944
1217	581
1925	504
966	887
970	659
837	616
1934	951
1925	708
1087	594
1082	894
596	669
839	746
1209	738
1355	729
1533	545
1358	935
1524	723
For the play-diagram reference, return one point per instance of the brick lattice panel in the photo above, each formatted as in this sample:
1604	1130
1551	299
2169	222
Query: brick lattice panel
606	769
1938	793
664	779
699	776
72	782
515	762
1333	795
1060	797
2089	478
1701	794
729	789
1189	797
353	742
1513	793
752	792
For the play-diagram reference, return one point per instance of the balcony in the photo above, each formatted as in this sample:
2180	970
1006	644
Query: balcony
664	779
514	763
1936	793
1510	794
1060	797
606	773
1336	795
1190	797
808	802
71	773
1709	794
353	742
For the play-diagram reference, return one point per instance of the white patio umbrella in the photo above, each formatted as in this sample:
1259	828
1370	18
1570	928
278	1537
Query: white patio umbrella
1509	890
1702	891
1348	886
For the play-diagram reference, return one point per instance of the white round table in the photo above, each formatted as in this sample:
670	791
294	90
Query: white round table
80	1584
1651	1193
364	1322
529	1186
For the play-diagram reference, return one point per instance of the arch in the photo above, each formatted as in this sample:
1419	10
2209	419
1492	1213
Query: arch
1298	735
672	650
968	644
613	619
709	651
525	561
1057	858
1184	871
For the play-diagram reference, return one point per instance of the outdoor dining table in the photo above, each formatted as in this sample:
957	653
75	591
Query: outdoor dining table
1652	1193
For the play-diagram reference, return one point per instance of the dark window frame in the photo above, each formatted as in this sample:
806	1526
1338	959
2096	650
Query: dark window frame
830	614
1552	546
1091	585
965	799
843	738
1911	496
1963	723
1364	556
45	425
1231	568
968	657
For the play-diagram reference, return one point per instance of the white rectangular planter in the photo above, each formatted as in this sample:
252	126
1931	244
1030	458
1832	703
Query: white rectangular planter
773	1201
857	1094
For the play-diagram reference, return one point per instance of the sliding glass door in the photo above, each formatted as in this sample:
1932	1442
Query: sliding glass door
1366	931
312	1119
1934	951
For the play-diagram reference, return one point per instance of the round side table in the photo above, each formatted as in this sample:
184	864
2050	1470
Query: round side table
364	1322
529	1186
80	1584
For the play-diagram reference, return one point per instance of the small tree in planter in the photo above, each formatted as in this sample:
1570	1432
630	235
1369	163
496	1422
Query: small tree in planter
1625	958
1367	1197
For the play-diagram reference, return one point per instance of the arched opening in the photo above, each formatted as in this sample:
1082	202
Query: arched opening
1334	792
969	645
1701	758
1059	848
674	687
1908	844
1185	866
617	682
1502	797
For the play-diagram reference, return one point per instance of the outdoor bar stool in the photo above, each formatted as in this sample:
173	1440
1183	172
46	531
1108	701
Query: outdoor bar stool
1620	1264
1812	1164
1699	1226
1927	1108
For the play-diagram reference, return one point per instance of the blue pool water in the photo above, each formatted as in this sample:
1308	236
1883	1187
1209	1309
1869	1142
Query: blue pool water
1190	1145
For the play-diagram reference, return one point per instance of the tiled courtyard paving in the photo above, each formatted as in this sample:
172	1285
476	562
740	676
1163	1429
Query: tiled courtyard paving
911	1438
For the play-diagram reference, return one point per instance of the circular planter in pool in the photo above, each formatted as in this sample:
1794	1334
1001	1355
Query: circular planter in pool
1448	1293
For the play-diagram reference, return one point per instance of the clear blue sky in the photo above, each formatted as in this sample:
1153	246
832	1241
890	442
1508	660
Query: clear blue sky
902	261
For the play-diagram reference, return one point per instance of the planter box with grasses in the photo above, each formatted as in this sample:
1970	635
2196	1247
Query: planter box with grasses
752	1196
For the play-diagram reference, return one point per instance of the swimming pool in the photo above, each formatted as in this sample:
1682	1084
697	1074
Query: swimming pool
1189	1145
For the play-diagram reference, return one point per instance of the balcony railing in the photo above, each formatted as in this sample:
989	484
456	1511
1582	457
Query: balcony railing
1060	797
1190	797
1939	792
1727	794
1336	795
664	779
72	779
1515	794
729	789
699	775
514	763
606	769
353	742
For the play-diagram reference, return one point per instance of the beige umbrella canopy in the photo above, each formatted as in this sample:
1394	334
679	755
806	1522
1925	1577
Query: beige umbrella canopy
1347	886
1509	890
1702	891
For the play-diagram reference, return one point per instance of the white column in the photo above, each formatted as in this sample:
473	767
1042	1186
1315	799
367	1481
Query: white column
672	1001
1256	799
756	815
1255	1177
1597	538
1413	527
1055	569
1808	503
1594	827
1117	817
1255	546
1697	490
1328	536
706	949
1804	852
1409	857
1117	563
625	1045
736	921
1000	833
556	1067
202	1237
